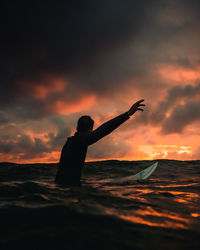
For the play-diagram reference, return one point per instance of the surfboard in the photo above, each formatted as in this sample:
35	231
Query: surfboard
142	175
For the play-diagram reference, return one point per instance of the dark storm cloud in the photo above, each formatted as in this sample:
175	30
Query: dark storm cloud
182	116
23	144
3	118
179	109
174	95
60	38
94	45
15	141
57	139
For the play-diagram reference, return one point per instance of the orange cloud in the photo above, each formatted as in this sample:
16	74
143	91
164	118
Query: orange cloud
145	146
45	86
64	108
40	91
146	142
179	74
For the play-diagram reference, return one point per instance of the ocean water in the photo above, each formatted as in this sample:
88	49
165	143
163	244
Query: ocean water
160	213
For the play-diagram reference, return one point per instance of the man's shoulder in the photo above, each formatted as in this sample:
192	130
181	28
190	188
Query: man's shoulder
80	137
77	137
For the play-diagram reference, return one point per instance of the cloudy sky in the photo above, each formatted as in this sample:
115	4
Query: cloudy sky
64	59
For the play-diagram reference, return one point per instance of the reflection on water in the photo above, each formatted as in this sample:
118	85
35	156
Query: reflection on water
157	203
177	185
166	200
168	224
195	215
151	217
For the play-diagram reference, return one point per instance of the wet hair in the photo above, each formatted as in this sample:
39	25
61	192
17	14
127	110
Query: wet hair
85	123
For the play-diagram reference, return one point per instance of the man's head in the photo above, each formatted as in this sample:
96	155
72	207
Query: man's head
85	124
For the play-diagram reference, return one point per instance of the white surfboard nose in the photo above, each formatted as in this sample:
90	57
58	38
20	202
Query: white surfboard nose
142	175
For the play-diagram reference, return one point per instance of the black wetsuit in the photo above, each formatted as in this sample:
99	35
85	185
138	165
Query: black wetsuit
74	151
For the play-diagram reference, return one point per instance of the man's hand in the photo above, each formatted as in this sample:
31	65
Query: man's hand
136	107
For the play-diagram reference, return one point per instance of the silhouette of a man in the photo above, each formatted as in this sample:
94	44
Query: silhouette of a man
74	150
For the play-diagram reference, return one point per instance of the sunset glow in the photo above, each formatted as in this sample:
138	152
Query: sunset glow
40	91
180	74
61	107
50	80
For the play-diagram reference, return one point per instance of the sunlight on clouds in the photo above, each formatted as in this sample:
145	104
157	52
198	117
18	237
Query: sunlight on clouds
40	91
155	151
179	74
63	108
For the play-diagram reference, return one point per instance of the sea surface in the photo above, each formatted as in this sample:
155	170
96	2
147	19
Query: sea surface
160	213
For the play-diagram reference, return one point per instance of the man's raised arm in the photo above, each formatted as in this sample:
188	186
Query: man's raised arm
107	127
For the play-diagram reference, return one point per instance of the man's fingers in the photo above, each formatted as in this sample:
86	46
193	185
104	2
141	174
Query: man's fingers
140	101
137	106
